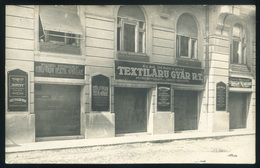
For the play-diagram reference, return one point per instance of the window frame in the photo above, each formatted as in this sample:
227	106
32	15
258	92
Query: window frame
242	46
121	21
190	39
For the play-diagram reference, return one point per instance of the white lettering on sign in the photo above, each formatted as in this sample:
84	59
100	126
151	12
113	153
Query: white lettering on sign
100	90
131	71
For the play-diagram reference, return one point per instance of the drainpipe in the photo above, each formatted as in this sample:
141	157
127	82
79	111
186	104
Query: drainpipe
207	59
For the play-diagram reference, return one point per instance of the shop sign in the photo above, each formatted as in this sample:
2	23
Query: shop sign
240	82
100	93
163	97
17	90
158	73
55	70
221	96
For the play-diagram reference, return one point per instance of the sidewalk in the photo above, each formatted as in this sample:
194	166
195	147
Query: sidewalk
78	143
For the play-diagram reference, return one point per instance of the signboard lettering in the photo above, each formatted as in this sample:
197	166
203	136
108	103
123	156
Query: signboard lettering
240	82
221	96
158	73
17	90
163	97
100	93
54	70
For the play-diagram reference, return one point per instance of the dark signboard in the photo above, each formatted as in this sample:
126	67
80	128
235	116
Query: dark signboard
54	70
17	90
158	73
100	93
240	82
221	96
163	97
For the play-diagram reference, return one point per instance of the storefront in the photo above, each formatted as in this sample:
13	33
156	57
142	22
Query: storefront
57	110
186	110
239	102
130	110
174	91
57	104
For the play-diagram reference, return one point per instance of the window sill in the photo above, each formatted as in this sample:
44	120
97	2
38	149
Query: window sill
58	48
132	56
239	68
188	62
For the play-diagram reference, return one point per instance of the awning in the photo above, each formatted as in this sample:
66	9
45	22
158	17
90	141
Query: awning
61	19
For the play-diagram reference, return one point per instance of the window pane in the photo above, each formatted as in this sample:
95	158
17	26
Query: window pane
193	48
118	38
235	51
55	36
140	42
129	37
184	46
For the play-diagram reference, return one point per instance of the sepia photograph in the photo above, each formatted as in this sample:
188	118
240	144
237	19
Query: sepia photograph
130	84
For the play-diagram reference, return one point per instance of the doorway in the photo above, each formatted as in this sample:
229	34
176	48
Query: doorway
130	110
185	110
57	110
237	110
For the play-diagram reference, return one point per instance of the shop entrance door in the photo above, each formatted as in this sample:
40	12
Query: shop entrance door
185	110
130	110
237	110
57	110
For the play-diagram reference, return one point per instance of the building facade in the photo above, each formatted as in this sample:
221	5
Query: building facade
77	72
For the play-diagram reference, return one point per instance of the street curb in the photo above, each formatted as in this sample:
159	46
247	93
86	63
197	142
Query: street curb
84	143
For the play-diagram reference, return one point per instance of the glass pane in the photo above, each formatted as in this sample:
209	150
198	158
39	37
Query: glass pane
55	36
72	41
184	46
193	48
118	38
129	38
235	51
140	42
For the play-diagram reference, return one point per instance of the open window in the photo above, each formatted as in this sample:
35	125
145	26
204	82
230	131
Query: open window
131	29
59	29
187	37
238	45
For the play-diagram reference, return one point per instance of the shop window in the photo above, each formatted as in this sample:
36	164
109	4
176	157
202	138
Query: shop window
187	37
238	45
131	29
59	29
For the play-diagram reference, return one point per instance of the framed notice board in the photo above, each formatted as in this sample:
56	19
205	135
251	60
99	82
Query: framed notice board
100	93
163	97
221	96
17	85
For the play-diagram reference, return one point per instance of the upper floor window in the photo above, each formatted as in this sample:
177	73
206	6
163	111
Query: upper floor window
187	37
131	29
59	29
238	45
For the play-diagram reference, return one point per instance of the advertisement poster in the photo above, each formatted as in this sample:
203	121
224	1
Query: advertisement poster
163	97
221	96
17	90
100	93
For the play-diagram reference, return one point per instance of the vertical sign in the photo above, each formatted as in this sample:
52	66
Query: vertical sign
163	97
100	93
17	90
221	96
